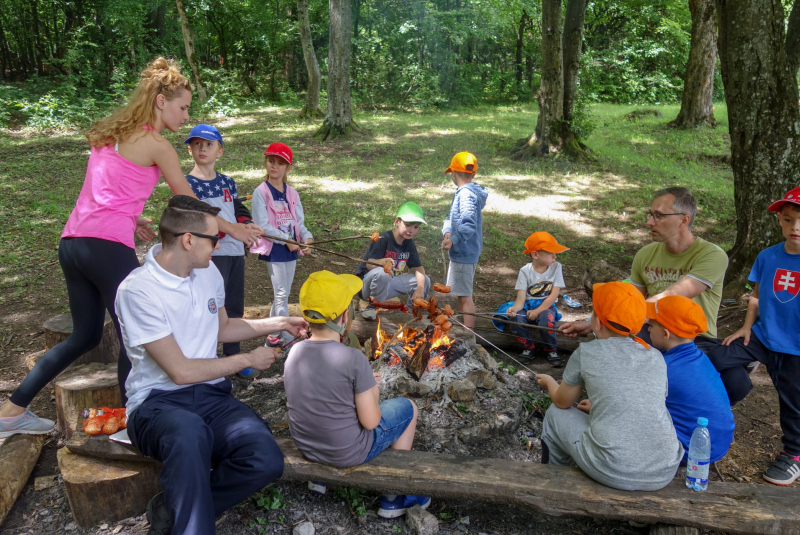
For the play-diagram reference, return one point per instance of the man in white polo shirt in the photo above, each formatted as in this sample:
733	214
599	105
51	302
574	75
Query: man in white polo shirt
180	410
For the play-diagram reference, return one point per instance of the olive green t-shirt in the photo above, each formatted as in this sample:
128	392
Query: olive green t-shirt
656	269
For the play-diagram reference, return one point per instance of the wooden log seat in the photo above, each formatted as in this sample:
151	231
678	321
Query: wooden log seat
58	329
87	386
18	456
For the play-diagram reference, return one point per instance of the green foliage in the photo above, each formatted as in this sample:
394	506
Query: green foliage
270	498
354	499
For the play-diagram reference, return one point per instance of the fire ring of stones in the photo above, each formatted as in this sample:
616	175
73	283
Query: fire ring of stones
462	397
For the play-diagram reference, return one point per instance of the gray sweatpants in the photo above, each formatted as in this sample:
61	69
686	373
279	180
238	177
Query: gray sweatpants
282	276
382	286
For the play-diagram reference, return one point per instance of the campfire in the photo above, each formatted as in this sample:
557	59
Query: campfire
418	350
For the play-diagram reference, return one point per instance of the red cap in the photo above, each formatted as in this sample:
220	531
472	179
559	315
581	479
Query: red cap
792	196
280	149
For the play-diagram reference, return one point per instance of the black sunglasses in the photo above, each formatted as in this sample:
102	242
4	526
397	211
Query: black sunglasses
214	239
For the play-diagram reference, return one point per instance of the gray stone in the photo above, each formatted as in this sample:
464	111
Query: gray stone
412	389
421	521
486	359
305	528
461	390
482	379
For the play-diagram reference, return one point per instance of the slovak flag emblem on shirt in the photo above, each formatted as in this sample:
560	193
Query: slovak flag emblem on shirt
786	284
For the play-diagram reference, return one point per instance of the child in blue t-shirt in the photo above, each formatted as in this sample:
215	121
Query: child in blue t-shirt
694	387
770	336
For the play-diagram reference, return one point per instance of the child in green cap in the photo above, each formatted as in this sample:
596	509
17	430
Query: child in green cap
397	247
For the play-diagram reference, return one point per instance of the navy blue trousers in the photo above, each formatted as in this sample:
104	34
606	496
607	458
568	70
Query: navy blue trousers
190	429
232	270
545	319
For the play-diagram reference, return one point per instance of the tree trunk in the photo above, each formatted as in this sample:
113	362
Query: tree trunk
523	19
697	106
572	42
339	115
191	56
311	108
764	122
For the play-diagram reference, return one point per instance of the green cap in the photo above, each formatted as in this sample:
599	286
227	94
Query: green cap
410	212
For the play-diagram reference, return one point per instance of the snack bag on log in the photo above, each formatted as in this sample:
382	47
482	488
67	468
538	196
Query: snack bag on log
104	420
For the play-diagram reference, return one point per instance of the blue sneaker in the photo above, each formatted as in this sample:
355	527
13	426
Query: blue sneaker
400	504
570	302
249	373
317	488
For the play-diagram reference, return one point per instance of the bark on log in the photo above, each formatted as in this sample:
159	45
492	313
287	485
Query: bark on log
58	329
697	104
311	107
18	456
558	490
665	529
106	490
87	386
103	447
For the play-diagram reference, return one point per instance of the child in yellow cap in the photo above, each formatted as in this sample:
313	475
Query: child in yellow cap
463	231
332	395
695	387
538	286
622	436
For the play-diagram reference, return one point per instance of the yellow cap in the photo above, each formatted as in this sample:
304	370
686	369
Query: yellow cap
328	294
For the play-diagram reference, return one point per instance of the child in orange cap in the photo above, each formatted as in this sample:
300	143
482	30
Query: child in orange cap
622	436
538	286
463	231
695	387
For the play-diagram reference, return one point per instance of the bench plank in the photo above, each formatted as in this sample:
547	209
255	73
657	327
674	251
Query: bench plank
557	490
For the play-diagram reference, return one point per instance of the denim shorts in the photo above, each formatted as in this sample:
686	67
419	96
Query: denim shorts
396	415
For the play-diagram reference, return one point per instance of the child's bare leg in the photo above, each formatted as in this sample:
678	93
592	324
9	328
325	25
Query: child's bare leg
406	440
466	304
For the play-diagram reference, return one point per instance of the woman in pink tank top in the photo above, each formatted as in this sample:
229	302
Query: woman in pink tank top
96	252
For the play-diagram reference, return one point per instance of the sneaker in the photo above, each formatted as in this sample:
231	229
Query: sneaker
317	488
784	470
273	341
527	354
570	302
158	516
753	366
249	373
554	359
400	504
27	424
369	313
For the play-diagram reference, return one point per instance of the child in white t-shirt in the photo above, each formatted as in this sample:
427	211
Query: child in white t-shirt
538	286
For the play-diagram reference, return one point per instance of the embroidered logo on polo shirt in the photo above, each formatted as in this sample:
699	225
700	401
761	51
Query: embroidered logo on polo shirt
212	305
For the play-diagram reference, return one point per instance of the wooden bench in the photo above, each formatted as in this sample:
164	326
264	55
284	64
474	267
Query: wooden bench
552	490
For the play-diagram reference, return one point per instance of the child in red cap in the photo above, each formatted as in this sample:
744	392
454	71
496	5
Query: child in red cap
538	286
622	436
770	336
278	210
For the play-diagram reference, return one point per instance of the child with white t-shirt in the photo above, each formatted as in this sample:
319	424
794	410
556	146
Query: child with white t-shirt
538	286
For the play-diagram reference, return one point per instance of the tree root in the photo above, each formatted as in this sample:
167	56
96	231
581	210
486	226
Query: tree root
311	113
707	121
329	132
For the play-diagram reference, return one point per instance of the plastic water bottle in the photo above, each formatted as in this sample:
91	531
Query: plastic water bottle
699	457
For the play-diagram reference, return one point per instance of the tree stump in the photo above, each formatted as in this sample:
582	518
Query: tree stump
105	490
58	329
18	456
82	387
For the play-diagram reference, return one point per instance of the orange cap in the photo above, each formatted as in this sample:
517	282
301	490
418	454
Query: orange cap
679	315
463	162
621	303
543	241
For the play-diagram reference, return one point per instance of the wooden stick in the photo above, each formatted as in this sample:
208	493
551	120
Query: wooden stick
495	318
343	239
311	246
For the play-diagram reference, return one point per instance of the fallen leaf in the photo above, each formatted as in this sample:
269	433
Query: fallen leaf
338	263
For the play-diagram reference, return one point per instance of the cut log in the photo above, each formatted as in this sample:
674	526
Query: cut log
82	387
106	490
665	529
18	456
104	448
559	490
58	329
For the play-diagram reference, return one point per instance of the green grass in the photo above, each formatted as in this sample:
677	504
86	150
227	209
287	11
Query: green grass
358	183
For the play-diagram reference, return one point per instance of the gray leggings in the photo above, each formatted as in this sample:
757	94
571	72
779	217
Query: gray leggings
282	275
382	286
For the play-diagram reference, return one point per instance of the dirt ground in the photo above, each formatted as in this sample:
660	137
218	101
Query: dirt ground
757	436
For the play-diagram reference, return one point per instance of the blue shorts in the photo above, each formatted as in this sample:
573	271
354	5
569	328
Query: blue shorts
396	415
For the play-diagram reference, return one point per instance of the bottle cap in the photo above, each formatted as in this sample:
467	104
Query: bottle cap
702	421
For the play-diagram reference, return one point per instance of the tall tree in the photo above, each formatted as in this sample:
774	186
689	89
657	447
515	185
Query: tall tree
697	106
759	71
339	115
311	107
572	44
188	43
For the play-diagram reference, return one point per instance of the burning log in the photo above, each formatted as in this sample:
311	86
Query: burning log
456	350
419	363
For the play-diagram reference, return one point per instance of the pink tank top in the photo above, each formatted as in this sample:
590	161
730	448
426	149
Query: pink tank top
112	197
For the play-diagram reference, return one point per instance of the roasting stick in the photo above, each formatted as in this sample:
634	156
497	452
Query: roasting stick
360	236
503	320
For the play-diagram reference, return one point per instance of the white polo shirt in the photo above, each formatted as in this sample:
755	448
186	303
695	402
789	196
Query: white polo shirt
153	304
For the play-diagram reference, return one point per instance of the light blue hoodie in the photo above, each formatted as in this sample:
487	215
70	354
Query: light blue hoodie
465	224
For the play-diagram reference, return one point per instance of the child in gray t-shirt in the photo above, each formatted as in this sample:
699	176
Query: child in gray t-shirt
622	436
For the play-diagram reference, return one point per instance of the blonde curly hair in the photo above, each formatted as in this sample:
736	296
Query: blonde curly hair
161	76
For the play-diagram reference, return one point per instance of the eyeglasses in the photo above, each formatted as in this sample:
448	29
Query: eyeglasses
657	216
214	239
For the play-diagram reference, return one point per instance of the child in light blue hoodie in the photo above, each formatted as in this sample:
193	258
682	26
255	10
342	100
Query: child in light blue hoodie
463	231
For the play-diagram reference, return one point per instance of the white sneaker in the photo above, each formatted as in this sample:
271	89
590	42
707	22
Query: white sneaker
27	424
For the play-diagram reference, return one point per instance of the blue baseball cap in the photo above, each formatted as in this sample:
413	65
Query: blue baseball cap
205	131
